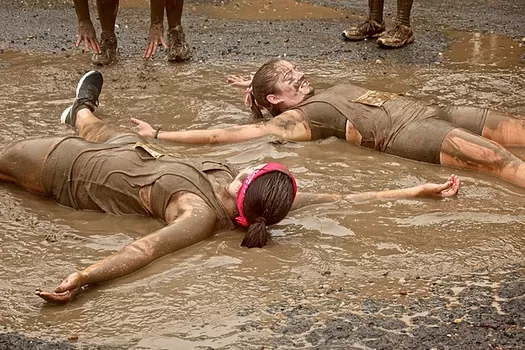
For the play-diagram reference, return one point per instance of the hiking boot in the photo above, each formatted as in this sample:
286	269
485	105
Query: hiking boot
398	36
88	91
108	46
178	48
367	29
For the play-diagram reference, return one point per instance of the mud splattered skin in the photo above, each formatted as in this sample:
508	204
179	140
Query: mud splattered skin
461	261
287	124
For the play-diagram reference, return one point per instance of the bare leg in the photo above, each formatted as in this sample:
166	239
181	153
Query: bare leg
462	149
404	7
107	12
22	162
376	10
92	129
374	25
174	12
503	128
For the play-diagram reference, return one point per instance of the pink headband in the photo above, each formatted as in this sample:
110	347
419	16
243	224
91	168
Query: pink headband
241	219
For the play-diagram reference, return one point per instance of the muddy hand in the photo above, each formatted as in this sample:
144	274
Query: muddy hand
453	184
238	81
65	292
448	189
144	129
86	33
154	39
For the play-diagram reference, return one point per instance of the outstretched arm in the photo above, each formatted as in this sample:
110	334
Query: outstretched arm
194	222
289	125
448	189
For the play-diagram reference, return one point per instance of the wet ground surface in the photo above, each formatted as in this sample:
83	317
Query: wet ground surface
379	275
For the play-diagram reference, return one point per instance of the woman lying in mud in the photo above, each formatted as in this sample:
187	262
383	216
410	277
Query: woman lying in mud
114	171
456	136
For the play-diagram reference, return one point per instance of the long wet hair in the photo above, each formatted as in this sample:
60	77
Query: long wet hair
267	201
263	84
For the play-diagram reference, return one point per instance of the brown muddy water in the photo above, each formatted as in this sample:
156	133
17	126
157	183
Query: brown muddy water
206	294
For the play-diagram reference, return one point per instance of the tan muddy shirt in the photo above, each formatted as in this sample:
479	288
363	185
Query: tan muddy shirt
377	116
108	178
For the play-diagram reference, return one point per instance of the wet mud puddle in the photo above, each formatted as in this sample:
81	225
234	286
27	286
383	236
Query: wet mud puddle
485	50
211	293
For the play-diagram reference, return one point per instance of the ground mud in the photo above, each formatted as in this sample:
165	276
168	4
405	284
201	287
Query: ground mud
484	309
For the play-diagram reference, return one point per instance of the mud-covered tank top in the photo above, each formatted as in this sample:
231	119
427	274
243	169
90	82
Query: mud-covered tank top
377	116
108	178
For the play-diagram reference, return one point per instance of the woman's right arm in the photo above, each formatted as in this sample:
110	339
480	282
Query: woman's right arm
287	126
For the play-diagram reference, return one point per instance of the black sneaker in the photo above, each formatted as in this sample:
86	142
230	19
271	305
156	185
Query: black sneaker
88	91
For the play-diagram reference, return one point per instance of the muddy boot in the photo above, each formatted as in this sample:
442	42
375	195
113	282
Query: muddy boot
398	36
108	46
368	29
178	48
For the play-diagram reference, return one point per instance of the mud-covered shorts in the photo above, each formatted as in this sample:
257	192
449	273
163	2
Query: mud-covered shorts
421	139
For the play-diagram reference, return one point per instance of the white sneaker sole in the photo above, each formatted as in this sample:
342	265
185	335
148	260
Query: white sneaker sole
65	114
67	111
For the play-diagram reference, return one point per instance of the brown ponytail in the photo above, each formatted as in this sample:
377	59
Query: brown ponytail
263	84
257	234
256	111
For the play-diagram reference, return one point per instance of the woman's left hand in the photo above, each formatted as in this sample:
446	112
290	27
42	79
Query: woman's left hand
145	129
448	189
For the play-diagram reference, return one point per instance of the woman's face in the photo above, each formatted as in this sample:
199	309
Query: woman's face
292	85
234	187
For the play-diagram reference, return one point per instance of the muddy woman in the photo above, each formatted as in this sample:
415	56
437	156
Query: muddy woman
111	170
463	137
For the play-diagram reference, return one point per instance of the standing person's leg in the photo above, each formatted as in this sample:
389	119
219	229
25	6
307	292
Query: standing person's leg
504	128
107	12
465	150
402	33
374	25
23	162
80	114
178	48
